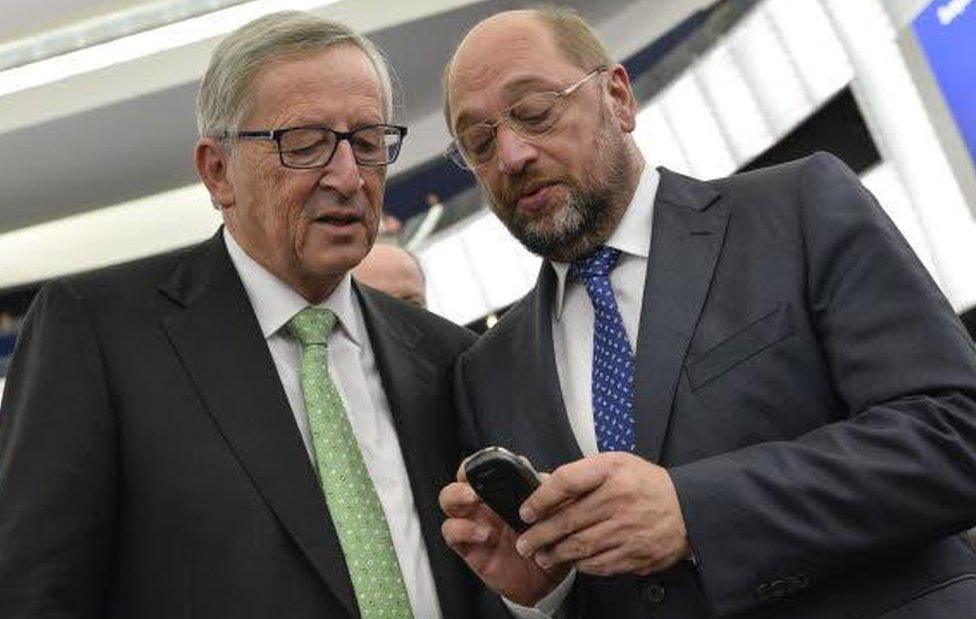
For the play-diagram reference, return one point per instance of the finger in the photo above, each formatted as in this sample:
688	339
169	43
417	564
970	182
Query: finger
458	500
458	532
581	545
487	516
607	563
571	518
567	482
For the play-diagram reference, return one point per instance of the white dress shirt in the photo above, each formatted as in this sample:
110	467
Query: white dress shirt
572	312
352	367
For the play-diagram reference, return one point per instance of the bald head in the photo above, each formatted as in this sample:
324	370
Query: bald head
395	271
562	30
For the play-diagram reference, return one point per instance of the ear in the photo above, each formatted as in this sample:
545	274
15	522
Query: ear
622	101
212	159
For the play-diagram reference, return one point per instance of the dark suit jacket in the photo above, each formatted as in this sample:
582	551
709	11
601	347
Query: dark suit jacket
150	465
805	382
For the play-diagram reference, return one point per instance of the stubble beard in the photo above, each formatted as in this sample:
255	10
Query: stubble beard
587	218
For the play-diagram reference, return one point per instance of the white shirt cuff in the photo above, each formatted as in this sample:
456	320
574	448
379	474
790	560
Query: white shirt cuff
548	607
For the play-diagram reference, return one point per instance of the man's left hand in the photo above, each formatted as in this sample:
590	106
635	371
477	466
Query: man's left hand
613	513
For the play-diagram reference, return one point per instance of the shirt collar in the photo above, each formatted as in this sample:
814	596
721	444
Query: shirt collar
275	302
632	235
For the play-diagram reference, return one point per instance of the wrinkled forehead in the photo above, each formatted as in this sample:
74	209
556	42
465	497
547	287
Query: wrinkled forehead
340	76
499	62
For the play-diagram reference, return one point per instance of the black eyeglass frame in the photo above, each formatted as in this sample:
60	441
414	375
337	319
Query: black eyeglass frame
276	134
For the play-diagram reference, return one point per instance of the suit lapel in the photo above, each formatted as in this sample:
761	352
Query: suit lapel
555	434
219	342
426	427
688	232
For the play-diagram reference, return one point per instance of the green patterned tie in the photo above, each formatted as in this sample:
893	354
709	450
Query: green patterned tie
353	503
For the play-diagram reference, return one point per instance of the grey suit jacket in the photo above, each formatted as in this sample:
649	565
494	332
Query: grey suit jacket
150	465
807	385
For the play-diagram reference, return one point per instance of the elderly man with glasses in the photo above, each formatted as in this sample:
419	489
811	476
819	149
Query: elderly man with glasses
238	429
753	399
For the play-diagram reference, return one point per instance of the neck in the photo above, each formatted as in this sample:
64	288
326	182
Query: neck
313	289
634	170
319	290
630	174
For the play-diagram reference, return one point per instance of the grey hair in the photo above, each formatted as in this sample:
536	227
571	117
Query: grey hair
225	92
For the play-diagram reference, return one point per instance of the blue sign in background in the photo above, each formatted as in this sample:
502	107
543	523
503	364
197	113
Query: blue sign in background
946	31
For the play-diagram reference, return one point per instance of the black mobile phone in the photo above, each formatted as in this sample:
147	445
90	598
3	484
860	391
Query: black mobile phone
503	481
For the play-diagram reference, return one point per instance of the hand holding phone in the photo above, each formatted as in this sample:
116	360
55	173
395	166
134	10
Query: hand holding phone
503	481
482	524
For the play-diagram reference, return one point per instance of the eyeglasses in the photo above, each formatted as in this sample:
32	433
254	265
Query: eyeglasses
532	116
314	146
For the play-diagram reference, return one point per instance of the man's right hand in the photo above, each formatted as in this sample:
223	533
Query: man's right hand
487	545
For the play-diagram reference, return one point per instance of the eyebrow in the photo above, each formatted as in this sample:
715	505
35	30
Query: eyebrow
354	121
529	82
512	91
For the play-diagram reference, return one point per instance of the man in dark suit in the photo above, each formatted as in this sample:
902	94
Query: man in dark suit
753	399
238	429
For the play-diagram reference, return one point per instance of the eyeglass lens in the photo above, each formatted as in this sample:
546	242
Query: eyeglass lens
313	147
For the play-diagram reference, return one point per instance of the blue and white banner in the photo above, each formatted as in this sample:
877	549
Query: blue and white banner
946	32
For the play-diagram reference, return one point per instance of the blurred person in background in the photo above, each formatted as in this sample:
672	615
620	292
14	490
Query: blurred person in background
395	271
753	399
239	429
8	324
390	228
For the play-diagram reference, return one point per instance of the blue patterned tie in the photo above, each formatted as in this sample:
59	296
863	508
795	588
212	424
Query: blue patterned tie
613	360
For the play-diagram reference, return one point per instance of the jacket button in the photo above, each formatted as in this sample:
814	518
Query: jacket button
654	594
802	581
779	588
762	592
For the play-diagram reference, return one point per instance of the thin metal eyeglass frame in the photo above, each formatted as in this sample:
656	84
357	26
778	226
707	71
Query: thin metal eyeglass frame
274	135
456	154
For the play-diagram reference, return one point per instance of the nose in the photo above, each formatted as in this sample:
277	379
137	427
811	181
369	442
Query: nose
342	173
513	151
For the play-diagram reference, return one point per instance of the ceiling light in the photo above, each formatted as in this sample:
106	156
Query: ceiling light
145	43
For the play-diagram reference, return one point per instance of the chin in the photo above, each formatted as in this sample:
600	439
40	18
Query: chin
336	261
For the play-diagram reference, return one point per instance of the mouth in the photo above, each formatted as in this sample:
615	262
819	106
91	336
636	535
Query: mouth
535	196
339	220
